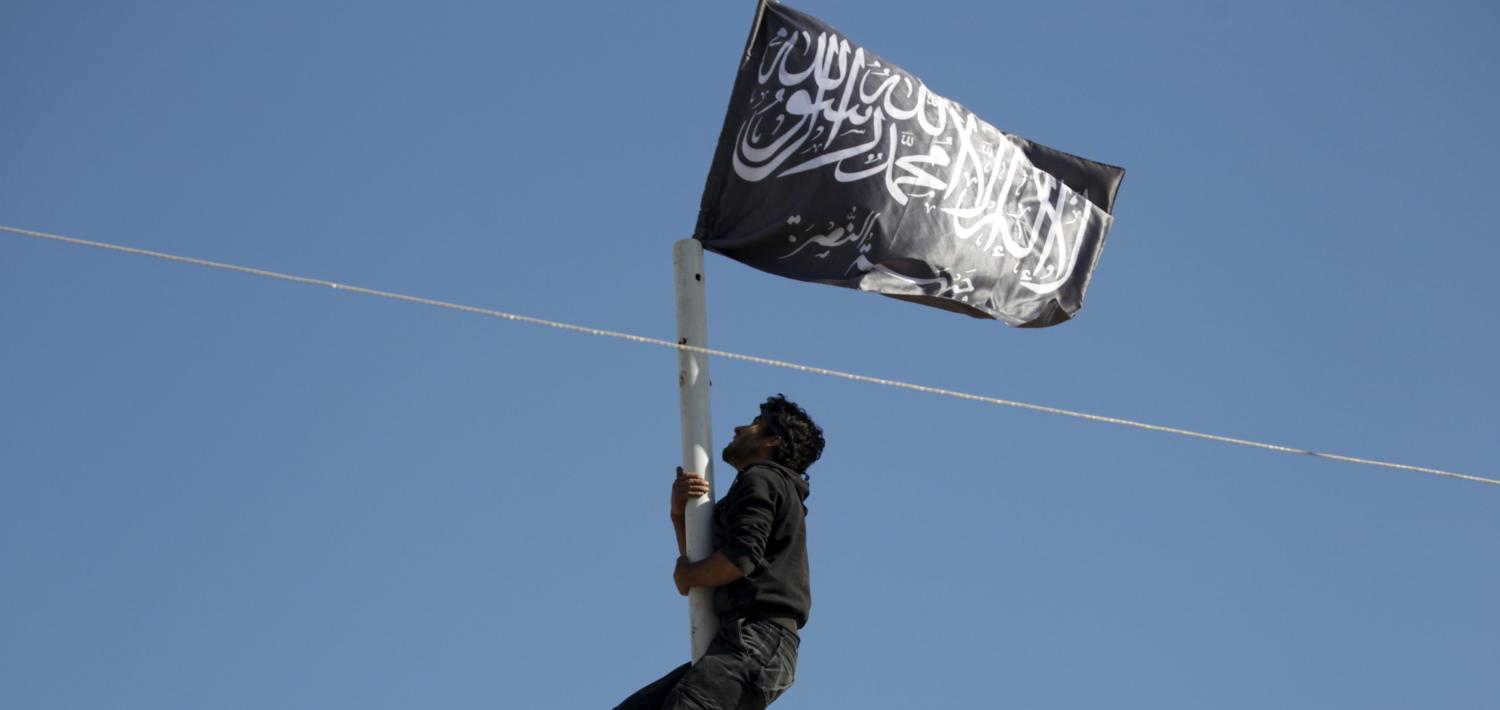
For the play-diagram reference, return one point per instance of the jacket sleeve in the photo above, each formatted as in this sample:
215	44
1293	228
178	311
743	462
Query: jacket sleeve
750	514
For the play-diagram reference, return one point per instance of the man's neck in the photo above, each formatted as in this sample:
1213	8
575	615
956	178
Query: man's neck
751	461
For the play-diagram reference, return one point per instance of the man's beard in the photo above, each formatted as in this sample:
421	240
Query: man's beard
733	451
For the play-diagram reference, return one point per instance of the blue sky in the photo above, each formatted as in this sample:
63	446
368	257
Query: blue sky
221	491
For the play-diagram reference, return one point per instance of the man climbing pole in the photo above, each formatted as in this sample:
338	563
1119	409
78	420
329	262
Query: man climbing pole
758	569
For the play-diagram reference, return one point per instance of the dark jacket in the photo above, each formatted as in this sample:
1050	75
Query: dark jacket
760	525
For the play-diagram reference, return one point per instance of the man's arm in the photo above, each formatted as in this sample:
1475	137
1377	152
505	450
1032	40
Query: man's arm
713	571
680	524
750	512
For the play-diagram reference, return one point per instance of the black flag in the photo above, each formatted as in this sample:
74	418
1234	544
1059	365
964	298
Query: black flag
837	167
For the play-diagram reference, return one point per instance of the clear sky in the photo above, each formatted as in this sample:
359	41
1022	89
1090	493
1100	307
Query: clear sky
218	491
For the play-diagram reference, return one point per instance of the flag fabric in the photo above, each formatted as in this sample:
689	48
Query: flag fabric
837	167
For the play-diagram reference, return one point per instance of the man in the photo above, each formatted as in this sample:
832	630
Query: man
758	568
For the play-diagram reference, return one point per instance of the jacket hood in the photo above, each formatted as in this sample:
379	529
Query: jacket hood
799	483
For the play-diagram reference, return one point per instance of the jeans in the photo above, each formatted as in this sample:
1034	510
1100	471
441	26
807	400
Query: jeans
749	663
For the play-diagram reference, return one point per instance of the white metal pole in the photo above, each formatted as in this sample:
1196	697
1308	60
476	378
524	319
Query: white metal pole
697	442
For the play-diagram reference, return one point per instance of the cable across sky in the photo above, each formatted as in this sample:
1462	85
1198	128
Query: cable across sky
743	357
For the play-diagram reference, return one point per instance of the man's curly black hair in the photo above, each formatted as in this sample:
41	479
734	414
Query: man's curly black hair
801	439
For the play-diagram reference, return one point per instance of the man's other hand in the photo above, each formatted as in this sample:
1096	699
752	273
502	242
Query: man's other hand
677	575
687	487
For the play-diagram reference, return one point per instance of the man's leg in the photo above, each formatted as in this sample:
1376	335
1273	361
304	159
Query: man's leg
746	667
654	696
716	682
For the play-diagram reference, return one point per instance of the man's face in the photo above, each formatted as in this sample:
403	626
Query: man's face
752	442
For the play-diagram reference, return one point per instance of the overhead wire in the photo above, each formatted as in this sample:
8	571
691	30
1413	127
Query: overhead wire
631	337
